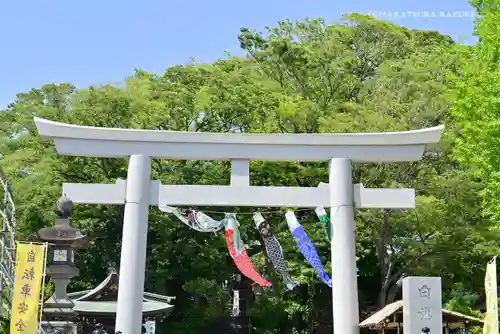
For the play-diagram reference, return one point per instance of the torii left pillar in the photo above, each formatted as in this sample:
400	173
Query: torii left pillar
134	244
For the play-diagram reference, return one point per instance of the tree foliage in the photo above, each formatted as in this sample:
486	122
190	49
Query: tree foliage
476	109
360	74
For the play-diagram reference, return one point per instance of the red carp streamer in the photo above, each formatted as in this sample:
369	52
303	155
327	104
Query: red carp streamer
238	253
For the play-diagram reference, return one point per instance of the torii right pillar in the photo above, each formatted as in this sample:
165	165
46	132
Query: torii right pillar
343	248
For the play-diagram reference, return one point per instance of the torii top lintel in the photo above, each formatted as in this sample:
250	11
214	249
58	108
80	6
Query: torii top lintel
79	140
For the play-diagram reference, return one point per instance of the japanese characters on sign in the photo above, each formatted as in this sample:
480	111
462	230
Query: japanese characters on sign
422	304
424	291
425	312
27	287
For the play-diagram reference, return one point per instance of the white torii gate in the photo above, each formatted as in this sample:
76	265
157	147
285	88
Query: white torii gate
138	192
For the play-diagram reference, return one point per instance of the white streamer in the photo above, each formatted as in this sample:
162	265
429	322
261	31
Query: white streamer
196	220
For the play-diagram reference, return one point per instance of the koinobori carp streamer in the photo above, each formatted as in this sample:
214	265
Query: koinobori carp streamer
306	247
323	218
237	251
197	220
273	249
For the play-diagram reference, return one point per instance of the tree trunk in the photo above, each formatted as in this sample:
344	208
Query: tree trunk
384	257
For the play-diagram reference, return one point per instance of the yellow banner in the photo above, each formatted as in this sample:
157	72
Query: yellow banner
30	264
490	285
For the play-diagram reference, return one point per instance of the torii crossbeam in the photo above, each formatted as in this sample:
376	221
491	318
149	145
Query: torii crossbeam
138	192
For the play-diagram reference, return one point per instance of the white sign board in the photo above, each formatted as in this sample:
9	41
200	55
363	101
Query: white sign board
422	305
236	303
150	327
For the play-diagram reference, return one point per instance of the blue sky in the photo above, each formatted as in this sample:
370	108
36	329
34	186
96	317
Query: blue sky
102	41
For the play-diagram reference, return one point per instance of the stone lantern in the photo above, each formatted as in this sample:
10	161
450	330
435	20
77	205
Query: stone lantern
63	239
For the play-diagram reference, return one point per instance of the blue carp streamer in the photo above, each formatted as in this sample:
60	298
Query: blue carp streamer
306	247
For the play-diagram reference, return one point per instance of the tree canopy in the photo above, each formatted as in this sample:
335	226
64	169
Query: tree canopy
359	74
475	109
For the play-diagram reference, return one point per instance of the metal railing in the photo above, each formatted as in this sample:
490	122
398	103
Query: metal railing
7	246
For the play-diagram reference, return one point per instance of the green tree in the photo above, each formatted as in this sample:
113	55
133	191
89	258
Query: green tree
300	77
476	110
